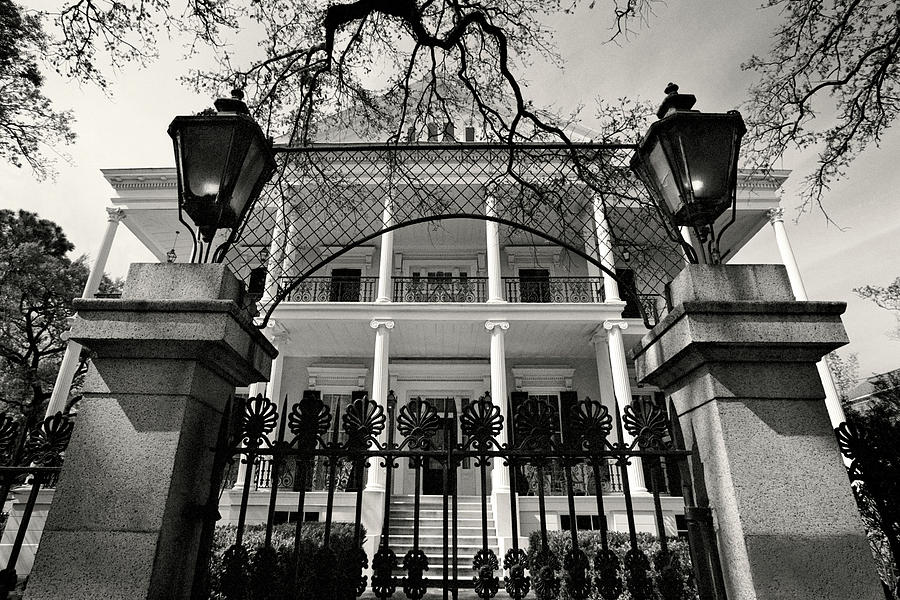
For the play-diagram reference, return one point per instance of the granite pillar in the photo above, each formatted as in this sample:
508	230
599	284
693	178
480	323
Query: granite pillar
129	510
737	357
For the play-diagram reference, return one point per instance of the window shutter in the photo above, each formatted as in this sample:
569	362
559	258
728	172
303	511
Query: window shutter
567	399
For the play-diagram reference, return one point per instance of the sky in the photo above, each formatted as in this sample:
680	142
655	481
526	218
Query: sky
698	44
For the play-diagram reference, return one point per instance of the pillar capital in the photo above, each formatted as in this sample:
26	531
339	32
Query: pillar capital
775	214
622	324
378	323
114	214
498	326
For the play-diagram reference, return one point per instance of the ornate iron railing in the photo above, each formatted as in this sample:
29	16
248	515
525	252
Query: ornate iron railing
30	459
451	289
554	289
333	289
529	440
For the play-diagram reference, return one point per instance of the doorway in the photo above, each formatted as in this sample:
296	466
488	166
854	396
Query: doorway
433	470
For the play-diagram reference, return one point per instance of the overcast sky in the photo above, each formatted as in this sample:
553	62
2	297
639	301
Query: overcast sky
698	44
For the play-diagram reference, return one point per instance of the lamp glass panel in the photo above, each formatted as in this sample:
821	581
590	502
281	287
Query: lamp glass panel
666	182
252	169
707	148
205	148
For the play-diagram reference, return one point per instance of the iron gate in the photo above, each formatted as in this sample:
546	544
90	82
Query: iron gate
351	440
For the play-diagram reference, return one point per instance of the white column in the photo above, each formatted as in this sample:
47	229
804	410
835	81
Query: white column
276	259
622	389
380	388
373	493
387	252
500	489
270	390
273	387
605	251
500	475
492	233
832	398
590	248
73	350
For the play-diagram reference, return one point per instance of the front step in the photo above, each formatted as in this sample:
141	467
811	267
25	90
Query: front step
431	535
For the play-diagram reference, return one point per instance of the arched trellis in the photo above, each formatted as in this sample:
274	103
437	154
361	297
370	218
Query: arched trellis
326	200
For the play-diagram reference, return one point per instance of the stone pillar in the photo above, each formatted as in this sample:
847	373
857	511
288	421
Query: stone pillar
622	387
832	398
737	358
492	235
373	494
387	253
131	503
500	489
73	349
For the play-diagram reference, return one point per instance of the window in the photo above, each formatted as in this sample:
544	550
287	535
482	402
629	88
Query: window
534	285
345	285
582	522
628	293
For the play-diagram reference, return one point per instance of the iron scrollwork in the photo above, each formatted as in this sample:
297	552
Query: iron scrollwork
482	422
309	421
417	422
517	583
414	584
258	421
575	564
648	425
384	563
484	564
363	422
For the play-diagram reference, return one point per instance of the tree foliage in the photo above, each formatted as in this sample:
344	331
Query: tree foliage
37	284
831	81
29	125
886	297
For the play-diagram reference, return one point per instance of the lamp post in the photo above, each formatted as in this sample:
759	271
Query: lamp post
222	160
688	161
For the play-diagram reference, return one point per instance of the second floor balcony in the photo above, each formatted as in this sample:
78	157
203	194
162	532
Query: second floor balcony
549	290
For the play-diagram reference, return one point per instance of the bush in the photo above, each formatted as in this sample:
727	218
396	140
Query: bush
254	572
648	575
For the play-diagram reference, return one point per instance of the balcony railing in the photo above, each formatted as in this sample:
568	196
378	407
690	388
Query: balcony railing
455	289
554	289
334	289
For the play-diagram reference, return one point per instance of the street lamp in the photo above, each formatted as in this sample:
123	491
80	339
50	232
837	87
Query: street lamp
688	161
222	159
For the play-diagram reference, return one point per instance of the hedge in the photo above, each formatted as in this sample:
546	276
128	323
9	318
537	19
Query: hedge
651	576
257	573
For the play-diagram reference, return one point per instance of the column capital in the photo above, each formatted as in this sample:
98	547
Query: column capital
775	214
114	214
386	323
622	324
496	325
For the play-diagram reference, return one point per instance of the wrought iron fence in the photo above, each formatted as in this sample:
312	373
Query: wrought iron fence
333	289
529	440
554	289
445	289
31	461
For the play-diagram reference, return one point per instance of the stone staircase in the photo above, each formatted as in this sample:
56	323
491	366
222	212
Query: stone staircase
431	534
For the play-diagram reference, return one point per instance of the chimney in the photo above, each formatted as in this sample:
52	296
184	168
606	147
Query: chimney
470	134
432	132
449	133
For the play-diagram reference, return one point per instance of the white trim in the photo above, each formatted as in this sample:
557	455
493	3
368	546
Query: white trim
456	373
337	378
533	257
539	379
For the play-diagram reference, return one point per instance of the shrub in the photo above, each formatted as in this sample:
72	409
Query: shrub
651	576
255	572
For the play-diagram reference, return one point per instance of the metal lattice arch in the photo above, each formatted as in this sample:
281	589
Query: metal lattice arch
328	199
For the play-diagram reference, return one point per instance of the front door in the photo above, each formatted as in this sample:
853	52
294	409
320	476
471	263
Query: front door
433	471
